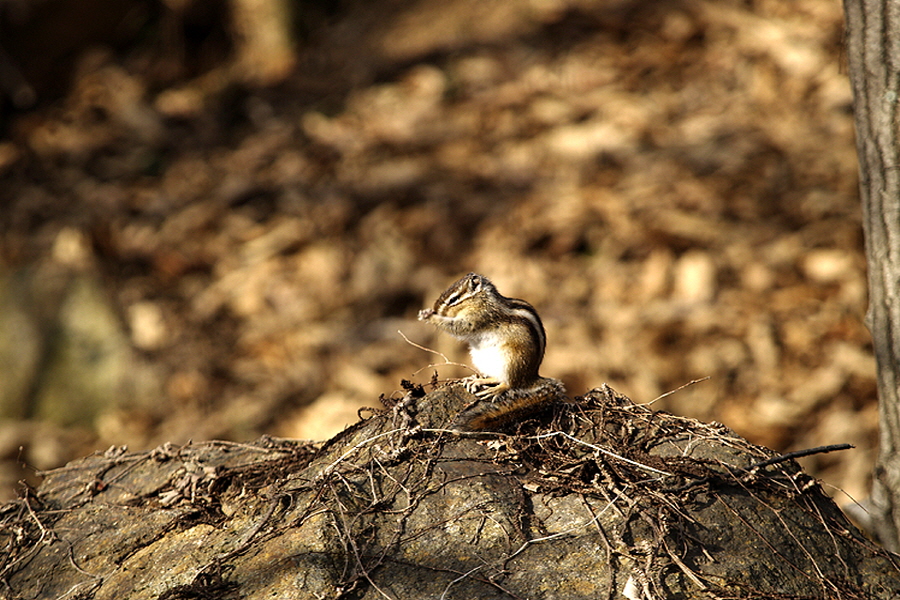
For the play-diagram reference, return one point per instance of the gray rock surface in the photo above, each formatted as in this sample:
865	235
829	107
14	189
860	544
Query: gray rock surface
596	498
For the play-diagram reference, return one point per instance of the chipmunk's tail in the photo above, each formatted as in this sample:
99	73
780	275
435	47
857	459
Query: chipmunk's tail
513	406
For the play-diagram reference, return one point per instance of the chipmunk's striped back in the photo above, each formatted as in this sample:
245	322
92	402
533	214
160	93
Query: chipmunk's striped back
525	313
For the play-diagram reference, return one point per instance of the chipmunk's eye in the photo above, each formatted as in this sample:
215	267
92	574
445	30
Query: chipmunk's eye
453	298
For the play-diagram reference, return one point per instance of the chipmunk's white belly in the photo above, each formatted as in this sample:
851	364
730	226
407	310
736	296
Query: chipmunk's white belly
489	357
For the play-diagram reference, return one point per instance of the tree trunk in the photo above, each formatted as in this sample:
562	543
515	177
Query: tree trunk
873	48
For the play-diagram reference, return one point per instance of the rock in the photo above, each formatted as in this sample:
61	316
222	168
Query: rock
596	498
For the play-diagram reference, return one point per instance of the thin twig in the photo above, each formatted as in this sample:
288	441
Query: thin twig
798	454
330	468
678	389
421	347
458	579
603	450
764	463
447	361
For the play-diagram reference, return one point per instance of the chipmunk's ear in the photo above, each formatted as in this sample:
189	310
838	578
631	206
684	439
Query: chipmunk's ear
475	282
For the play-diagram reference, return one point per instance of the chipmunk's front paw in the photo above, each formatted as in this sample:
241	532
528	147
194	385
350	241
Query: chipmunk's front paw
472	383
425	314
485	388
492	392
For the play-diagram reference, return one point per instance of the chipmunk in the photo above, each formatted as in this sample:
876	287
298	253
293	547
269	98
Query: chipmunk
506	341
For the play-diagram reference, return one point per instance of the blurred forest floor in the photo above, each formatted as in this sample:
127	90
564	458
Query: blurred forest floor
195	244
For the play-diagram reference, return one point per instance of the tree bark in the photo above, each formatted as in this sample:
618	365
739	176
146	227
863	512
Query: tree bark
873	49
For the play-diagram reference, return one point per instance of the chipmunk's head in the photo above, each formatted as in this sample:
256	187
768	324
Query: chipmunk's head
471	293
